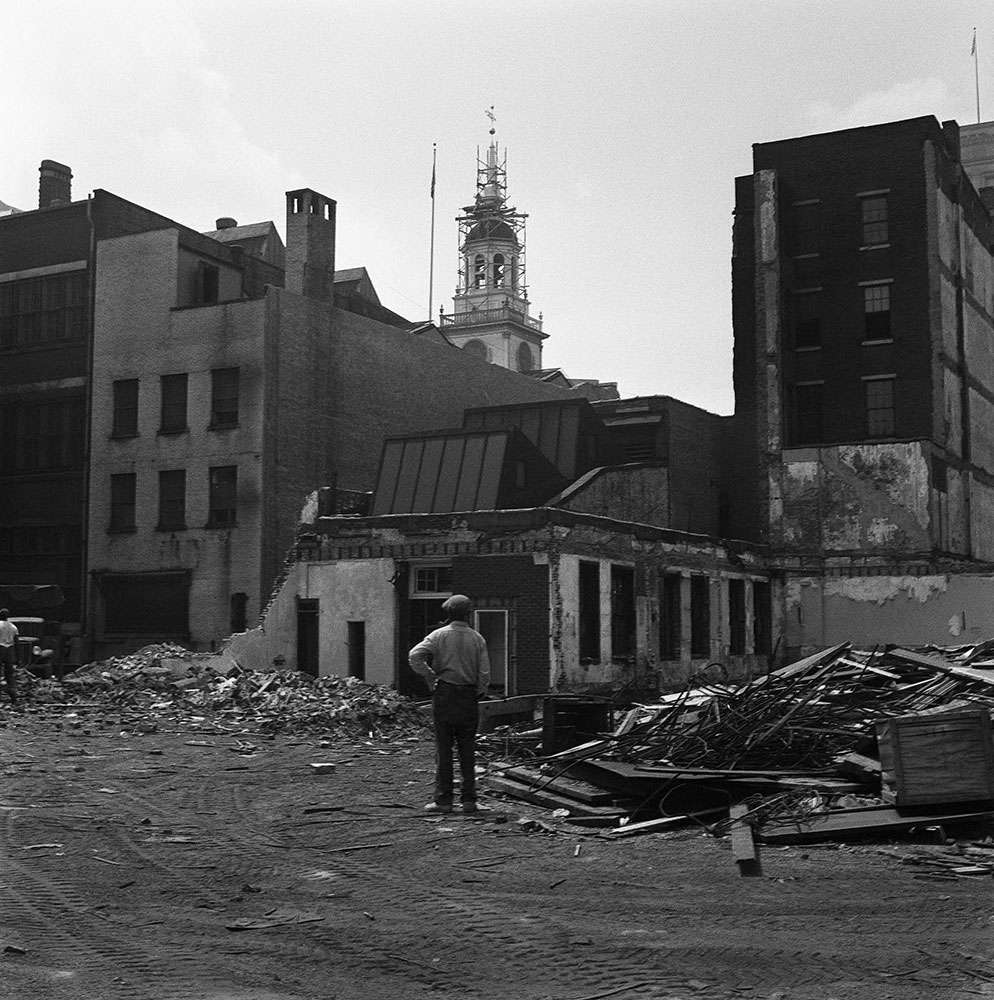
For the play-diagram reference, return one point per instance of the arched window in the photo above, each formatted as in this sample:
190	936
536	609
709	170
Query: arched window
477	348
479	271
525	360
498	270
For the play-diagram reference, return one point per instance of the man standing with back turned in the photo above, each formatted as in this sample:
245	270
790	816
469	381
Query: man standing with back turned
458	672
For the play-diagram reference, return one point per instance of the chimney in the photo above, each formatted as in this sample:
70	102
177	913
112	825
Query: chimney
55	184
310	244
226	223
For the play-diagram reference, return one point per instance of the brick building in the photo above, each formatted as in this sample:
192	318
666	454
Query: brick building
567	548
863	310
168	399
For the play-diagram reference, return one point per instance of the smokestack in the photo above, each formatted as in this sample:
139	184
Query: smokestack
55	184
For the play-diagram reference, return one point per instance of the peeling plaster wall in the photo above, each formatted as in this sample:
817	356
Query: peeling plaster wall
873	610
872	497
358	590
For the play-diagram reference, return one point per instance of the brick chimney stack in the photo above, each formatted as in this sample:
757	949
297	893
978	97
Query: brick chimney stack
310	244
55	184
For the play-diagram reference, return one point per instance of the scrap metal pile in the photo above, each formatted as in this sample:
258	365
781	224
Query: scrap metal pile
803	716
167	683
844	743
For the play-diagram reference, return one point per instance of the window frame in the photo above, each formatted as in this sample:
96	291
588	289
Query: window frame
670	616
871	384
876	293
124	413
170	407
434	593
624	616
874	227
217	492
123	503
589	611
700	616
812	338
225	387
172	508
809	423
736	616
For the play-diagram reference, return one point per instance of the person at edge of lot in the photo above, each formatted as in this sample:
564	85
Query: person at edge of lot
455	662
8	644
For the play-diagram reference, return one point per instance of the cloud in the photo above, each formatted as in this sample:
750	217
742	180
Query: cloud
906	99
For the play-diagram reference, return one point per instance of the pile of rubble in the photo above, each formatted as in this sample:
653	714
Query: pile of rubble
166	683
844	744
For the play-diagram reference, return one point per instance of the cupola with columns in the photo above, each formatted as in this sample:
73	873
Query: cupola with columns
490	314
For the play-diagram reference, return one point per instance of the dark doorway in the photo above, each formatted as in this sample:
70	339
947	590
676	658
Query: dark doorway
425	615
307	636
357	650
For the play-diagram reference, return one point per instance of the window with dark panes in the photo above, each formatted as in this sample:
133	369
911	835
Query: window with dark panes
876	312
432	580
762	617
808	410
805	227
590	611
172	500
239	612
224	397
700	616
736	617
125	420
622	612
874	220
670	615
42	310
222	496
879	407
807	319
122	501
173	410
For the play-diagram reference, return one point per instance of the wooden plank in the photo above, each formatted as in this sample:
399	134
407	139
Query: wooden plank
841	824
744	848
572	788
519	790
944	666
661	824
800	666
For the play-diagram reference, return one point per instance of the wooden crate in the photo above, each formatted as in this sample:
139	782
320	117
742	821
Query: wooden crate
937	758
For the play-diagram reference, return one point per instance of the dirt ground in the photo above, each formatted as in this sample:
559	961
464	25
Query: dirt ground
192	863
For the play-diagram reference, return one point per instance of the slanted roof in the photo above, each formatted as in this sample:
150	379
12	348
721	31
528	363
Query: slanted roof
567	432
258	239
462	470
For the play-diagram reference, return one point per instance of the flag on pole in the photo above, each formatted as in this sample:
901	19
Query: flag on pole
973	48
433	153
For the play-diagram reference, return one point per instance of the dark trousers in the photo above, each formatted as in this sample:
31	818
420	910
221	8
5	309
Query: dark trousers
7	659
457	716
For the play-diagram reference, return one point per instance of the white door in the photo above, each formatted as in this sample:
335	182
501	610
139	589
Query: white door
492	625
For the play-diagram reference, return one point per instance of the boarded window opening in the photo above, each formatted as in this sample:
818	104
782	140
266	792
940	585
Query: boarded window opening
224	397
622	612
590	612
670	614
762	620
172	500
222	501
125	420
173	410
736	617
122	502
700	616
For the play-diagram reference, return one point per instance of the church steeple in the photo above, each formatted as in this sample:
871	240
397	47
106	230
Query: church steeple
491	308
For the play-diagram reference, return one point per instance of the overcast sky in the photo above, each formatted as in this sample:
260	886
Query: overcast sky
625	124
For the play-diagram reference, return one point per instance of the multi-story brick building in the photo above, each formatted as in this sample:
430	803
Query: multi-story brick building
170	398
863	305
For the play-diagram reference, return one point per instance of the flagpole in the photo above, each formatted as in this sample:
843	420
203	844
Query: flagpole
976	72
431	253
